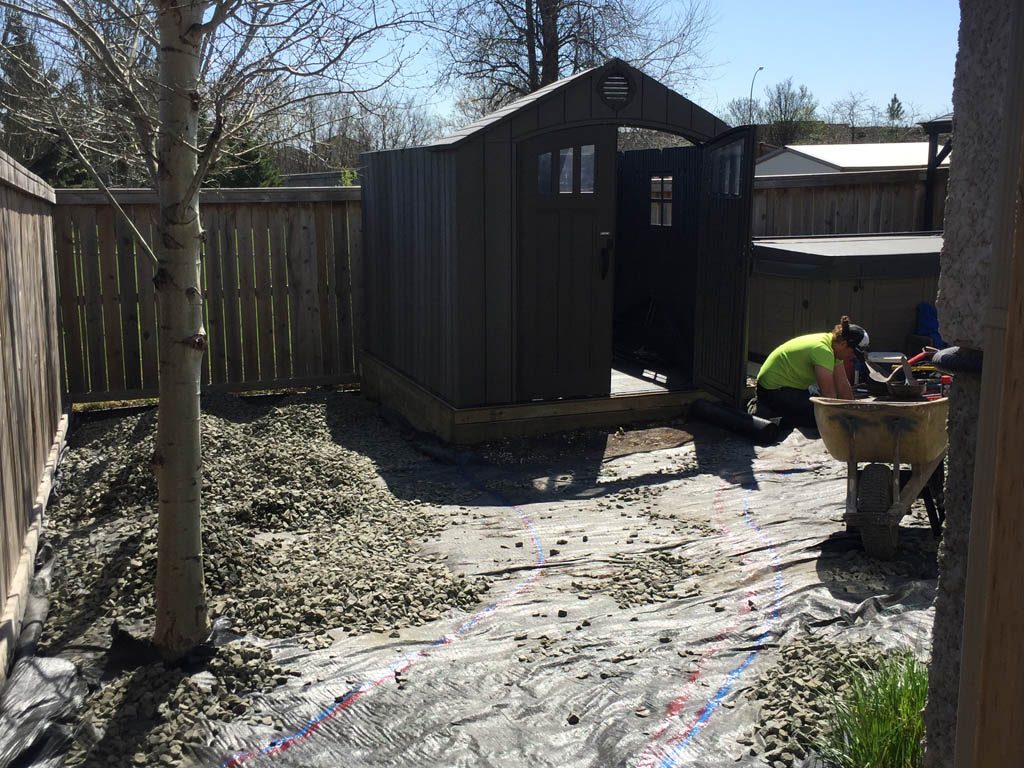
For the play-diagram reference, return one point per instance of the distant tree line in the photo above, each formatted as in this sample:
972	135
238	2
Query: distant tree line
490	52
790	114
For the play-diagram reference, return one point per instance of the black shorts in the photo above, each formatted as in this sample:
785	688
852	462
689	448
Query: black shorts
793	405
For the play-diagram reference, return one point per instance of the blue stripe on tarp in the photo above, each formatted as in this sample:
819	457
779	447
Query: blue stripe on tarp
675	749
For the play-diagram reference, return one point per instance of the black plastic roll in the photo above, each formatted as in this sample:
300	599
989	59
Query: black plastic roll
761	431
958	360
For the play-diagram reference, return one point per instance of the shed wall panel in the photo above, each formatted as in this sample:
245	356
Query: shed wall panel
470	277
655	101
703	122
406	268
499	245
680	112
525	121
579	103
445	170
551	112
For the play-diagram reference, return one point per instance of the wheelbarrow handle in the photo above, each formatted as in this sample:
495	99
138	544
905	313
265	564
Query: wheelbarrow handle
924	354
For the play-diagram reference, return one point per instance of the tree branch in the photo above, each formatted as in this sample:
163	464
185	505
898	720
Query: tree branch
105	190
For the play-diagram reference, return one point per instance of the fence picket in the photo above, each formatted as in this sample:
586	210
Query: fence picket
89	263
279	222
232	327
342	293
129	301
113	337
73	357
303	304
247	293
30	373
325	287
263	323
277	272
214	294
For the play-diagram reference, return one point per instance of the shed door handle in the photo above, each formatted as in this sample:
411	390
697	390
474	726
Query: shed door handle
606	257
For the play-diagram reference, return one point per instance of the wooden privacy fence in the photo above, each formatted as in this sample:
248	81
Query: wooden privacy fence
845	203
30	398
278	270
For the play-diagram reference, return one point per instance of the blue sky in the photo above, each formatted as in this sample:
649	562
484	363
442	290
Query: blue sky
907	47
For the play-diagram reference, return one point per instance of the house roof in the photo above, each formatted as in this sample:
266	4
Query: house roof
862	157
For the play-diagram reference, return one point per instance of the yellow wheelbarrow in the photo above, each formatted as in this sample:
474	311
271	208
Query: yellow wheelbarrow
886	434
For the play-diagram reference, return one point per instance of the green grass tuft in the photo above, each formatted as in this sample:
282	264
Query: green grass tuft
877	721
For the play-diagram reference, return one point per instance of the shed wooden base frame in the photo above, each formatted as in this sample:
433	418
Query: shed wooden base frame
463	426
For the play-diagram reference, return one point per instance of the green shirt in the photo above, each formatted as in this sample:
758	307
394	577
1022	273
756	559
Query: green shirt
792	364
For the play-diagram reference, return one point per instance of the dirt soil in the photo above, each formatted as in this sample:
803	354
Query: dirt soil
325	526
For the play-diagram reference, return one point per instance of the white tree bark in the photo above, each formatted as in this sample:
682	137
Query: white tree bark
181	611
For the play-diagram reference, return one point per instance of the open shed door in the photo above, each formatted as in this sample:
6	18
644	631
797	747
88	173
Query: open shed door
566	263
723	263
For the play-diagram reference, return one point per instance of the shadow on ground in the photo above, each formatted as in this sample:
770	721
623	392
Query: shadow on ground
531	468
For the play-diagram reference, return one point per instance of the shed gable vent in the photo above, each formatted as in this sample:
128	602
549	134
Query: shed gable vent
616	90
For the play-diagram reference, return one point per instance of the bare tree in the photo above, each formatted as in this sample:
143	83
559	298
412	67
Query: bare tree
392	120
854	111
498	50
788	113
146	75
743	112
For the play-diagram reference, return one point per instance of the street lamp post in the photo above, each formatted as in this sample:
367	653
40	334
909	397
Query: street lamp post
750	99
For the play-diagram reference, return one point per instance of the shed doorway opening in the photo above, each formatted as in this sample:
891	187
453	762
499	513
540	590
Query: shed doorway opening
656	262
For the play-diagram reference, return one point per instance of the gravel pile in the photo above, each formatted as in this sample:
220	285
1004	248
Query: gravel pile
644	579
303	539
149	717
796	696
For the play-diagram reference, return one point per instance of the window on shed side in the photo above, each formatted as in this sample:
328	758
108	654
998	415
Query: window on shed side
661	201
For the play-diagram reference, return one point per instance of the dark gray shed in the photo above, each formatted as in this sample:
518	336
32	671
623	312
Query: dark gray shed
506	262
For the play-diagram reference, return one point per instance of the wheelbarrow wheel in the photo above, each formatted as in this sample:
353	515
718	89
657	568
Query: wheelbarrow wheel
874	497
880	539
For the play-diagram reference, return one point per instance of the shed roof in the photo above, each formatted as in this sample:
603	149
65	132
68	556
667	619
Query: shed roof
672	111
862	157
500	115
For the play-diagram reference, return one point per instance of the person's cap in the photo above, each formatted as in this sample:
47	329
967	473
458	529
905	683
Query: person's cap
857	338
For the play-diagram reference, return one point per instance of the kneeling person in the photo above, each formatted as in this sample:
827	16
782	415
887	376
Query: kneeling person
816	360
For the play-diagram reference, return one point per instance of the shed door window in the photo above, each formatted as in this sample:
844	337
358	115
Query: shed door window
544	173
661	201
565	171
573	176
726	165
587	169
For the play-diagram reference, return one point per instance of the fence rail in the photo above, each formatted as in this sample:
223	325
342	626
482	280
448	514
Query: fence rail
278	270
846	203
30	398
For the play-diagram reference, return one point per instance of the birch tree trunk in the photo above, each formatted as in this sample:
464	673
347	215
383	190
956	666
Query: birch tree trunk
182	620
